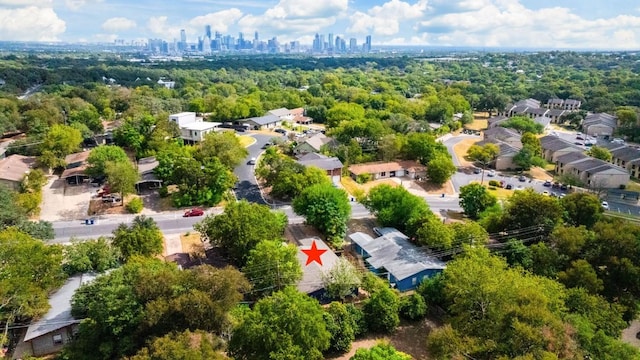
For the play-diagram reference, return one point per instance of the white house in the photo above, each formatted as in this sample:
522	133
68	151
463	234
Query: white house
192	128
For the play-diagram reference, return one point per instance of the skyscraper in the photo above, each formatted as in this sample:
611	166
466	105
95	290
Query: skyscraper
353	45
367	44
207	31
183	41
330	42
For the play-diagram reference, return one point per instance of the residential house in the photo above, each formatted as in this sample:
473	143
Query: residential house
192	128
560	104
332	165
4	145
299	117
622	156
167	83
520	108
381	170
532	109
567	158
74	172
312	282
596	173
49	334
393	256
553	146
313	144
262	122
282	113
545	121
13	169
504	160
495	121
148	179
599	124
505	135
555	114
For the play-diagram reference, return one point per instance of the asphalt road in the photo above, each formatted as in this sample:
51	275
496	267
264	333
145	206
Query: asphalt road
247	187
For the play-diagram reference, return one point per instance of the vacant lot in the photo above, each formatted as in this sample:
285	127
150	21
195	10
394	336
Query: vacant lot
64	202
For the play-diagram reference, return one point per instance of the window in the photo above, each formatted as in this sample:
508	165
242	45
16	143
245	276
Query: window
383	174
414	281
57	339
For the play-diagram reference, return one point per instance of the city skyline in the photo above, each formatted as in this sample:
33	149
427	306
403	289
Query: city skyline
614	24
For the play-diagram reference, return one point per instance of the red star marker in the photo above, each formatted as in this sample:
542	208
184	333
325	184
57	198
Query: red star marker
314	254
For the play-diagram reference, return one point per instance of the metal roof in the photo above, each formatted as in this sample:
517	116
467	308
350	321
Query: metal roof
394	252
312	274
59	314
263	120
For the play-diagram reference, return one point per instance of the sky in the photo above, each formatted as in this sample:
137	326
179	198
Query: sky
563	24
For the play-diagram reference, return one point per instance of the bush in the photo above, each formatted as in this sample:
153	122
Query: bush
135	205
494	183
381	311
493	188
363	178
163	192
413	307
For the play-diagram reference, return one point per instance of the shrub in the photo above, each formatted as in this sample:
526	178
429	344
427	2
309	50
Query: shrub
163	192
363	178
135	205
494	183
413	307
493	188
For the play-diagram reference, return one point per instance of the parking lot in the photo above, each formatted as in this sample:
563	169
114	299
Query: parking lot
64	202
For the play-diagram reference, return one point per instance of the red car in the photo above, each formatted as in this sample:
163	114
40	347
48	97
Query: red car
194	212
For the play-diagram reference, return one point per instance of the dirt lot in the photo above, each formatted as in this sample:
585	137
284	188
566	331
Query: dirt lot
64	202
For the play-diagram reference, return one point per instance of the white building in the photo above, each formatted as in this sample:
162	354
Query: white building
192	128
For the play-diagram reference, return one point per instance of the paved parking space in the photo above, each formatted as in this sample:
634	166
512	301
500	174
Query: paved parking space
60	202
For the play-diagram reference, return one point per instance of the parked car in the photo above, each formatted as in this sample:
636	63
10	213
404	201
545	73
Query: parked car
281	131
509	187
491	173
193	212
605	205
546	193
547	183
522	178
563	187
111	198
252	161
476	170
266	145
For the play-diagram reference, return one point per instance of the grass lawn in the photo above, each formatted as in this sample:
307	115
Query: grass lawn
478	124
460	149
500	193
633	186
355	189
246	140
190	241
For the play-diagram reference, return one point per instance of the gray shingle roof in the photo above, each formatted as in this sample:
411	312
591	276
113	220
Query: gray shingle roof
317	140
263	120
280	112
501	133
626	153
556	112
325	164
571	157
600	118
587	164
612	146
543	120
505	149
554	143
393	252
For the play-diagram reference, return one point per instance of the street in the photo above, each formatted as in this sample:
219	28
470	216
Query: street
247	188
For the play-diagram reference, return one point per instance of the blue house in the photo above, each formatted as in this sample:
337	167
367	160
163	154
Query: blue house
394	256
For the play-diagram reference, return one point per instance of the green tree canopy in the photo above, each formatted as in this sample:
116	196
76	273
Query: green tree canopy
381	311
342	326
381	351
326	208
288	324
341	280
122	177
223	145
423	147
271	266
523	124
83	256
600	152
100	156
187	345
241	227
143	237
396	207
581	209
474	199
58	142
440	169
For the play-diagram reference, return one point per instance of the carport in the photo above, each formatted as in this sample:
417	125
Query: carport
148	179
75	176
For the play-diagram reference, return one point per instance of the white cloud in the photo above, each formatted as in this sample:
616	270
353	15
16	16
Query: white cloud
23	3
77	4
158	26
118	24
30	24
509	23
295	19
219	21
386	19
105	38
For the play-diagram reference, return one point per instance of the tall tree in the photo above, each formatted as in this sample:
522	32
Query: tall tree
187	345
327	208
241	227
440	169
271	266
342	326
581	209
122	177
599	152
288	324
396	207
100	156
381	311
223	145
484	154
474	199
143	237
59	141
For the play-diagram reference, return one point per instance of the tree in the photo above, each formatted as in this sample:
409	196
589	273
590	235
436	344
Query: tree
223	145
122	177
271	266
582	275
143	237
531	141
396	207
434	234
413	307
523	124
89	256
200	183
343	111
599	152
286	177
288	324
526	158
526	209
341	324
241	227
100	156
381	311
59	141
423	147
474	199
440	169
326	208
484	154
381	351
29	271
627	117
341	280
581	209
469	232
148	297
187	345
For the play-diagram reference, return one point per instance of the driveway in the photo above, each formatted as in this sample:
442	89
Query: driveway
247	186
64	202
